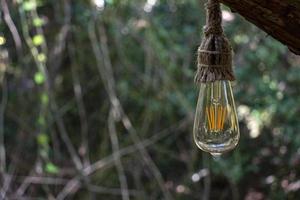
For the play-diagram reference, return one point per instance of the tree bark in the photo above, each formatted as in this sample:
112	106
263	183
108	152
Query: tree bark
278	18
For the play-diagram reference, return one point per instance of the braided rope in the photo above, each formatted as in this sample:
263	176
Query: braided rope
214	18
214	53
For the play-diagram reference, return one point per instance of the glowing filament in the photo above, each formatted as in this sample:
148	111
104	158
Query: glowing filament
216	116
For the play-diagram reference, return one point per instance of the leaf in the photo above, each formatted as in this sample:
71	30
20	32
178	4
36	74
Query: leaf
43	139
38	40
29	5
38	22
42	57
51	168
2	40
44	99
39	78
41	121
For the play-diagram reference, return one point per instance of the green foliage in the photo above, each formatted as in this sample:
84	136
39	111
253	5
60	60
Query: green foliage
42	139
29	5
38	22
51	168
39	78
64	89
38	40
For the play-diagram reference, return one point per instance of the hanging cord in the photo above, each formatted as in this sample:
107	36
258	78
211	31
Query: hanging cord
213	19
214	53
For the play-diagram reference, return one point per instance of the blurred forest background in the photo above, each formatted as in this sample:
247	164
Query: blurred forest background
97	102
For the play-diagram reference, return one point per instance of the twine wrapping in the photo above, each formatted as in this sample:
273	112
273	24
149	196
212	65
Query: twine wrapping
215	52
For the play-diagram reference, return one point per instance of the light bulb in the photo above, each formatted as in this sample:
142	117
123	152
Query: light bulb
216	128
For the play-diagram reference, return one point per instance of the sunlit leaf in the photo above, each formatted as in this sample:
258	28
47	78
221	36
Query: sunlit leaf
29	5
43	139
44	99
39	78
38	40
42	57
2	40
37	22
51	168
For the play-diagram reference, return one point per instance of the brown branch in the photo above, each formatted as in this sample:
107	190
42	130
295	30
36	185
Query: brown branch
84	147
115	147
12	27
7	180
56	53
280	19
46	180
3	103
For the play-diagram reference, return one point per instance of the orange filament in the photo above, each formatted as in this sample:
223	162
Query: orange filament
216	117
224	113
209	120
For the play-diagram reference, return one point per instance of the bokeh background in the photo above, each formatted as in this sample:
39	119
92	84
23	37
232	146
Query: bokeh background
97	102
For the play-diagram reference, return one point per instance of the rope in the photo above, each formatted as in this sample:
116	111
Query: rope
214	18
214	53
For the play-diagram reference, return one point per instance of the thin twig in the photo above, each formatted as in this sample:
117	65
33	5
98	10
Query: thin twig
75	183
115	146
12	27
2	111
84	149
55	54
25	184
43	180
106	74
5	178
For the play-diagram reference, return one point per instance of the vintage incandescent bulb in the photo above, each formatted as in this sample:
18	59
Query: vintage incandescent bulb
216	128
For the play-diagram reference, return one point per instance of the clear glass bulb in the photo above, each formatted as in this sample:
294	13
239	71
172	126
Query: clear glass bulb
216	128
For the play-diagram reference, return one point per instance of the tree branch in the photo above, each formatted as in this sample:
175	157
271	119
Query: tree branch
280	19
